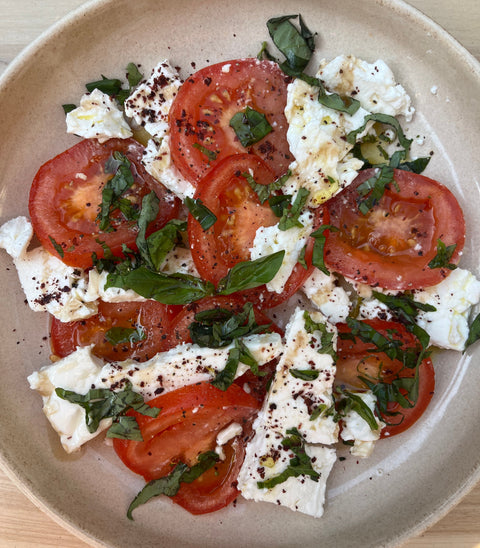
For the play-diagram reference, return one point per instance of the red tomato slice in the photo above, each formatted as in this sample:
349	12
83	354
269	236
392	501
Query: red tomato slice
151	316
356	358
239	214
188	425
67	191
207	101
393	243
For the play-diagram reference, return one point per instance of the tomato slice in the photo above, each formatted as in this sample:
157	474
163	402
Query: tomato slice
239	214
188	425
66	193
391	245
362	359
201	113
152	317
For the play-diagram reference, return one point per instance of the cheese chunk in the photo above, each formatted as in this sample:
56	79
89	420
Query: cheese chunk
183	365
97	117
324	293
289	405
356	429
453	299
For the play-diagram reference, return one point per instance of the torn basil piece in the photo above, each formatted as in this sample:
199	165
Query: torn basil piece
125	335
373	188
210	154
200	212
383	119
110	86
58	248
443	256
473	333
265	192
290	216
319	245
68	108
304	374
250	274
250	126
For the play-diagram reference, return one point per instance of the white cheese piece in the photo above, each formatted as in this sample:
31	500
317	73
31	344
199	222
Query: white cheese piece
224	436
371	309
96	290
316	137
373	84
265	458
289	404
453	299
97	117
356	429
324	293
271	239
150	103
158	163
179	260
183	365
15	236
77	372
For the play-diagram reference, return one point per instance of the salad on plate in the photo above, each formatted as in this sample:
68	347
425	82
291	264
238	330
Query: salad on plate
245	270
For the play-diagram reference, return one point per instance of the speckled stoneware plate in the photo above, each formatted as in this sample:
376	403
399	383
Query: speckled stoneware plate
411	480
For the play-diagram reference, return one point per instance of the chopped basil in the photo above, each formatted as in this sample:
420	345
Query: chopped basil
304	374
122	335
290	217
353	402
121	181
319	245
265	53
236	355
200	212
170	484
220	327
403	390
374	188
161	242
148	213
474	332
299	465
110	86
167	289
279	204
383	119
210	154
327	338
264	192
297	46
125	428
250	274
68	108
102	403
134	76
301	257
390	346
407	310
250	126
58	247
443	256
323	410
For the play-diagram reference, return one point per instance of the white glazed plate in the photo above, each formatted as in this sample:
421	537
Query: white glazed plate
411	480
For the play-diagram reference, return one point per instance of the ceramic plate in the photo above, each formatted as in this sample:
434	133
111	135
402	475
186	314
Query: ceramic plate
413	478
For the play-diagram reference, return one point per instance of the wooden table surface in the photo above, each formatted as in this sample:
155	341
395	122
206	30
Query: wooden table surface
23	525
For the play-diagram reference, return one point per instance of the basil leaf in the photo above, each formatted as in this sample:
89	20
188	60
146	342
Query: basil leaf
290	217
375	187
134	76
101	403
264	192
220	327
200	212
110	86
120	335
383	119
443	256
68	108
250	126
166	289
148	213
296	46
323	410
327	338
279	204
304	374
126	428
264	53
391	347
415	166
299	465
473	333
170	484
353	402
239	353
161	242
319	245
210	154
58	247
114	188
250	274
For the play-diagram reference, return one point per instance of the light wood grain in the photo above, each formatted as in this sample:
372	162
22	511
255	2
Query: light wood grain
22	524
